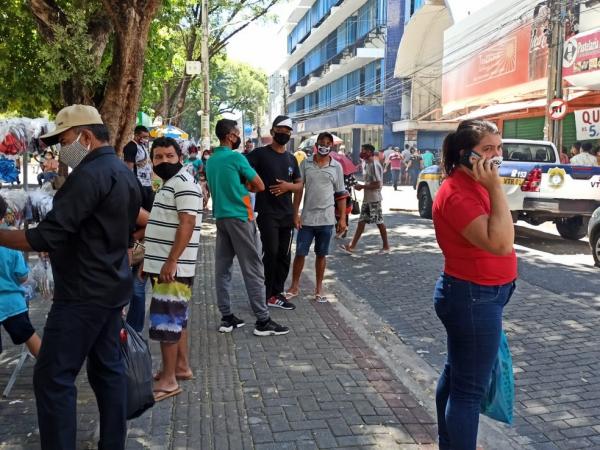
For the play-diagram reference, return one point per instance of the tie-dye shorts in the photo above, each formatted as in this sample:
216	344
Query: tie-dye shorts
169	309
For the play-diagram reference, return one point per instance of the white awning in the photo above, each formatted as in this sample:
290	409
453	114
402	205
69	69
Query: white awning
422	44
501	108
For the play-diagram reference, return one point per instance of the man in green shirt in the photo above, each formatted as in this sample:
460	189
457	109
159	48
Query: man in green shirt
230	177
428	158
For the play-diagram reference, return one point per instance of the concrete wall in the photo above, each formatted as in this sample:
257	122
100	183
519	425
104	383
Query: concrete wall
393	88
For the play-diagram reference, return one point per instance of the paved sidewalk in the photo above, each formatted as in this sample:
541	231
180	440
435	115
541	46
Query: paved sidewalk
553	337
321	386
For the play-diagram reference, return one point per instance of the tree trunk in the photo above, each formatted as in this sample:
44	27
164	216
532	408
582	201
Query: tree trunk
131	21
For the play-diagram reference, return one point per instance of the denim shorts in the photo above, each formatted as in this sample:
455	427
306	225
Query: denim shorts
322	236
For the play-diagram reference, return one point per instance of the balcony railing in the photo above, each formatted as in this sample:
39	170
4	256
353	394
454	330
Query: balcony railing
348	51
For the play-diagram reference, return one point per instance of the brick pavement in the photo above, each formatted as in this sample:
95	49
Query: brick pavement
553	337
321	386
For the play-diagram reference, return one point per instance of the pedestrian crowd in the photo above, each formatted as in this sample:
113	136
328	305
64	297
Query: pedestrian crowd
112	231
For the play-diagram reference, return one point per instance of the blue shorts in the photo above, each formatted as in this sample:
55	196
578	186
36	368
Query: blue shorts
322	236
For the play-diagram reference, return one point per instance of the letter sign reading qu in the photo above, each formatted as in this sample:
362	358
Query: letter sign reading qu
557	109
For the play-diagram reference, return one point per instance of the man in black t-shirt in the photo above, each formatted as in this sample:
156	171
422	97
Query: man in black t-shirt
275	219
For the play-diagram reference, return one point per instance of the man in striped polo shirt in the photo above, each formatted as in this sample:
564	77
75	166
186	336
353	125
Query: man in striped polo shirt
172	237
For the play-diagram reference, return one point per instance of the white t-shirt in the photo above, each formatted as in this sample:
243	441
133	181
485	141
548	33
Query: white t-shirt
584	159
179	194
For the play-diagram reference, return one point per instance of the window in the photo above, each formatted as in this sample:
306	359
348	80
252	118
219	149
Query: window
528	152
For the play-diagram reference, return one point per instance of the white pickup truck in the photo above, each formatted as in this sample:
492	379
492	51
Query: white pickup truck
538	187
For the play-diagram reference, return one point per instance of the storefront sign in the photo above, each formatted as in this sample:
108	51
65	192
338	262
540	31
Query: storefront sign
581	60
486	64
587	124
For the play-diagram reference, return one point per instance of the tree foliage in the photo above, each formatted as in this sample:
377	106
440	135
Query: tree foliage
58	52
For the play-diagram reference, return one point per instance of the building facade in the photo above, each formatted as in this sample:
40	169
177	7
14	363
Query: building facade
337	75
496	67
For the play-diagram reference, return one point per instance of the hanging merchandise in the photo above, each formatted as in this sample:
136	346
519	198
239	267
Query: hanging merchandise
17	138
41	274
8	170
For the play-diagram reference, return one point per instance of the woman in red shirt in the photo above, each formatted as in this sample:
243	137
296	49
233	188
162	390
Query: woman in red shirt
474	229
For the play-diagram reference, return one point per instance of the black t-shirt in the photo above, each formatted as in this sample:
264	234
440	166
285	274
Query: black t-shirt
270	166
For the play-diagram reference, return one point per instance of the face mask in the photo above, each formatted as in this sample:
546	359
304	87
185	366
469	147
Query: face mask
167	170
281	138
192	156
322	150
73	153
497	160
235	145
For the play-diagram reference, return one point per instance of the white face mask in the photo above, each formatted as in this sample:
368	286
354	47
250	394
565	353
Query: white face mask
73	153
497	160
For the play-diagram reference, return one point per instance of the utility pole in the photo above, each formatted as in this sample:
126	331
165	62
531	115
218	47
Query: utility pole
205	77
553	128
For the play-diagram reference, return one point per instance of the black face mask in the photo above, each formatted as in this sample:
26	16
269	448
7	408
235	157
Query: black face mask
167	170
281	138
235	145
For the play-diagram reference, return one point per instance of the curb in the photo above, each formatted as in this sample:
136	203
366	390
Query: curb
415	373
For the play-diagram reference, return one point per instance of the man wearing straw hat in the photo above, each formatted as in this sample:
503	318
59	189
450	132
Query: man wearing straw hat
87	236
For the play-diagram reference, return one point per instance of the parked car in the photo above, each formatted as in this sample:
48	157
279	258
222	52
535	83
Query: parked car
537	186
594	235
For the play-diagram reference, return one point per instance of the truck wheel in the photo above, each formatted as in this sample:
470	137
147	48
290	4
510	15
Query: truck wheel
595	245
573	228
425	202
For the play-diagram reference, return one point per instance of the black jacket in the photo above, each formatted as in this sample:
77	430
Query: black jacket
88	231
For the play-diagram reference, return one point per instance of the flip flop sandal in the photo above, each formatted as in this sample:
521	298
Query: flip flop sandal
156	377
321	298
161	394
290	295
346	250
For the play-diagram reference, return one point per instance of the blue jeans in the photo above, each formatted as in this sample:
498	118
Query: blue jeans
472	316
137	305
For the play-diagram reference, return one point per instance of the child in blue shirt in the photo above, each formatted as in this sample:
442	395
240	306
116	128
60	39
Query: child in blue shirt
13	307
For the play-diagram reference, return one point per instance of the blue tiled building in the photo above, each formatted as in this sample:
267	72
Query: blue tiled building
340	70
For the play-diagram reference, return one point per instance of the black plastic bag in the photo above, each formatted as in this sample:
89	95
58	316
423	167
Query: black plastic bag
138	368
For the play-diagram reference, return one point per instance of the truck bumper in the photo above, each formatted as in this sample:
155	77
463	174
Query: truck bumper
561	207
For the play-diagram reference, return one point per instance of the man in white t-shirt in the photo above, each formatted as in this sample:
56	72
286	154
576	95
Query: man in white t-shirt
370	211
585	157
172	239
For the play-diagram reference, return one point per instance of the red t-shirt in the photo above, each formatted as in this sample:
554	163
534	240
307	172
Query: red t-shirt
459	201
396	162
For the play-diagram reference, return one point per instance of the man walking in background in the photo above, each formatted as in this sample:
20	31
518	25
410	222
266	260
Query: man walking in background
395	163
279	171
230	176
371	211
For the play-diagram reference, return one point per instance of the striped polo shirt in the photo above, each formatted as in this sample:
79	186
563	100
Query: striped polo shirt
179	194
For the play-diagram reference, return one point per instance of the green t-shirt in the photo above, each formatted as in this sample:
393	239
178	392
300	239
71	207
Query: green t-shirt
428	159
227	173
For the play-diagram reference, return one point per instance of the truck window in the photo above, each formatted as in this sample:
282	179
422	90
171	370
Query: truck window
528	152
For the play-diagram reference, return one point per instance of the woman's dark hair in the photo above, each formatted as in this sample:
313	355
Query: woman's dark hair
165	142
467	136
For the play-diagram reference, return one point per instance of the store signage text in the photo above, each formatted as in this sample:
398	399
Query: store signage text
587	123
